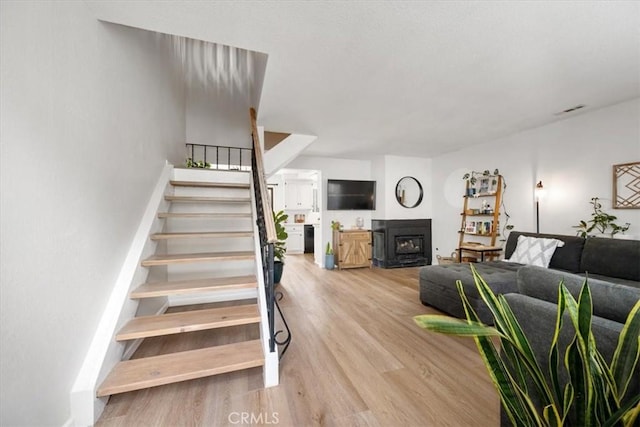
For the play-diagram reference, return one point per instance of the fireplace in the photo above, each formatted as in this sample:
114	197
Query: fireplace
409	245
401	242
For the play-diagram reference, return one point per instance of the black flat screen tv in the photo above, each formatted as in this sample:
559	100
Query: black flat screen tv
351	195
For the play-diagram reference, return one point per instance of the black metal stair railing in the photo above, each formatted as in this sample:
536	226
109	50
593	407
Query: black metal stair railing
218	157
267	253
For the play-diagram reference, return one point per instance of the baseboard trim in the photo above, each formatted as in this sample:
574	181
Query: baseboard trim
104	352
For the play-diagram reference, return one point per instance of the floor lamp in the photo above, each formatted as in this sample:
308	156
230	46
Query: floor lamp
539	192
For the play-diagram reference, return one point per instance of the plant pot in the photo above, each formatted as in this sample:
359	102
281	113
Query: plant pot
277	271
329	262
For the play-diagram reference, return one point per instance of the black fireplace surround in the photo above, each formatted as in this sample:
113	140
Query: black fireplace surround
401	242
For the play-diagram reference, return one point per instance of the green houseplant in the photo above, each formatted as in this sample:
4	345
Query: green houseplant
600	222
595	392
329	260
200	164
280	247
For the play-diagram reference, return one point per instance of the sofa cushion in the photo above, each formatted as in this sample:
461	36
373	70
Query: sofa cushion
616	280
610	301
535	250
566	258
438	286
612	257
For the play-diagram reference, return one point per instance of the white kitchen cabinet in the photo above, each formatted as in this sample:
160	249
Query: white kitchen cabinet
298	194
295	241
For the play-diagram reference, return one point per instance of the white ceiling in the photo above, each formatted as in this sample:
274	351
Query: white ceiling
411	77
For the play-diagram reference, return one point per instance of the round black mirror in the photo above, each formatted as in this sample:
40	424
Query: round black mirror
409	192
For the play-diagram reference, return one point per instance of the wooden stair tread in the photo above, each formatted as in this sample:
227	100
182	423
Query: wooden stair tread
188	321
202	215
197	257
170	198
186	365
150	290
193	235
209	184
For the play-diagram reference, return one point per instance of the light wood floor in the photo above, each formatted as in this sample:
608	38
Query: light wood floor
357	359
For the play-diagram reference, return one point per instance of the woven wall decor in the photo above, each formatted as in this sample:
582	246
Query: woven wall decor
626	186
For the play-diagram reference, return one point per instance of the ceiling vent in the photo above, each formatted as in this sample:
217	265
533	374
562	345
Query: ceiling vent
570	110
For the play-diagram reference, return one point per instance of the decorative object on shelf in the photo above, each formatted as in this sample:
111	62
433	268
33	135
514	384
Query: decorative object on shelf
409	192
595	390
335	225
539	194
600	222
359	222
280	247
626	186
329	260
471	176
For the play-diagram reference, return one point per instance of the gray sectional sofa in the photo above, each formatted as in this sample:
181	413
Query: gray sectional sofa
612	260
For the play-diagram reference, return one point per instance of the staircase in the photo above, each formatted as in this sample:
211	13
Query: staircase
205	253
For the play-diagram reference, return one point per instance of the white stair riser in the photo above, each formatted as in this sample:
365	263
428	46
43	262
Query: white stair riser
210	176
208	224
184	246
209	297
210	207
211	192
206	270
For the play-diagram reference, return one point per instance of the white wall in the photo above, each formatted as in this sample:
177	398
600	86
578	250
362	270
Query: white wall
572	157
387	171
218	116
89	114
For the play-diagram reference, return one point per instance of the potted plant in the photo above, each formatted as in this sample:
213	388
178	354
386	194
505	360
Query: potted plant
596	389
200	164
329	260
280	247
600	222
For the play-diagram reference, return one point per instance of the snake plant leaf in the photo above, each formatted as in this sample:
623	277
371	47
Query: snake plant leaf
527	355
625	357
551	416
628	413
451	326
574	365
517	410
554	357
507	324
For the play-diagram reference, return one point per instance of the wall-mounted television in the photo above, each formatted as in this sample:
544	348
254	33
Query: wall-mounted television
351	195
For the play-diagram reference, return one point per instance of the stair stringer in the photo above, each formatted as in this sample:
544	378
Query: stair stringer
271	369
104	351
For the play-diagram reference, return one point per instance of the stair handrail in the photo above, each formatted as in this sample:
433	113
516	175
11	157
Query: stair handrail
262	181
264	217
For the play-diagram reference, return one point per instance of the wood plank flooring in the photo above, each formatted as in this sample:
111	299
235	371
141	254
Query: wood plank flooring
357	359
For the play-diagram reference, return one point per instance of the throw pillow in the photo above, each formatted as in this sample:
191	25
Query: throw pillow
535	250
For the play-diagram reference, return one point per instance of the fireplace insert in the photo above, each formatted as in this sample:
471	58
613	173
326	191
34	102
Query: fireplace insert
401	242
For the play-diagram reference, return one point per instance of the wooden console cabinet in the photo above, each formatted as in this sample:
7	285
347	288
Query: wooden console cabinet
352	248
